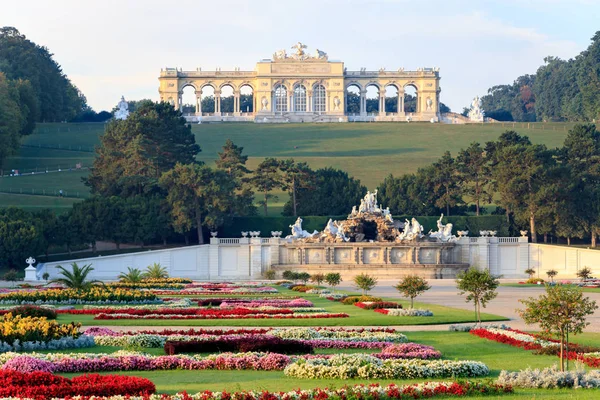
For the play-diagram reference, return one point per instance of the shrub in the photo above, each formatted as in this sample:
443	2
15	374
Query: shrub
242	344
350	300
34	311
76	278
304	277
155	271
550	378
302	288
133	275
270	274
11	275
530	272
45	276
534	281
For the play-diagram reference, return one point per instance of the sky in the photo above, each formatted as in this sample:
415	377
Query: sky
110	48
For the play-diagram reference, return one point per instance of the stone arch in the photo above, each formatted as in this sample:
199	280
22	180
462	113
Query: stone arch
353	98
207	98
247	101
188	103
373	97
226	98
410	98
391	97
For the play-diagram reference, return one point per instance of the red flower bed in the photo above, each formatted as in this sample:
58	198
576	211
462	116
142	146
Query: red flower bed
377	304
222	316
254	331
500	338
44	385
178	311
242	344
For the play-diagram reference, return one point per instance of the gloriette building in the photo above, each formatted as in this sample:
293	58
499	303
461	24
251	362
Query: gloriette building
303	87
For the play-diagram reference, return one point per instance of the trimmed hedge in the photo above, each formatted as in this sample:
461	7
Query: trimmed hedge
265	225
261	343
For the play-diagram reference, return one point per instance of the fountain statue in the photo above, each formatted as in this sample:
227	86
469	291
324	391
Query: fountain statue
298	232
444	232
476	113
123	109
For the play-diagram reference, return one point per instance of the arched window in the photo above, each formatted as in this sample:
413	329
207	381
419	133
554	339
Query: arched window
280	98
300	99
319	99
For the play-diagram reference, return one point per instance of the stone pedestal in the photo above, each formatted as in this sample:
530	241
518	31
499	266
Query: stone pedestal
30	274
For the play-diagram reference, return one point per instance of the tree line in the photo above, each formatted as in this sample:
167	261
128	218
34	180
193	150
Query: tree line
550	191
560	90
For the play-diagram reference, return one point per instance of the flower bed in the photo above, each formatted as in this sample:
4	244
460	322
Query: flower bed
409	350
27	329
264	343
30	311
201	290
54	344
333	296
349	300
294	303
72	296
399	312
372	305
350	366
216	315
550	378
133	361
317	338
45	385
363	392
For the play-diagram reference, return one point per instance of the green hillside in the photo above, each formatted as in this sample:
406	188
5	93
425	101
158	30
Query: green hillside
368	151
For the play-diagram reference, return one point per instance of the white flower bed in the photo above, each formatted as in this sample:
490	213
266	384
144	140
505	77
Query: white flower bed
551	378
179	303
470	327
335	296
412	312
55	344
524	337
350	366
366	335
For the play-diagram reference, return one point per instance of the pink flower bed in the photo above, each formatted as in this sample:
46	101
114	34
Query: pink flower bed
222	316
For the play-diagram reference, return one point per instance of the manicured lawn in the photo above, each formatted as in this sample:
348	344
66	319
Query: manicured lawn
358	317
453	345
35	203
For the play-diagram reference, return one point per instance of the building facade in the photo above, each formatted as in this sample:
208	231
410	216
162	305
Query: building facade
303	87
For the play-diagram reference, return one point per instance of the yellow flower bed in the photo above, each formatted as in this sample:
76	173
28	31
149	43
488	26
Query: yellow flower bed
28	329
94	294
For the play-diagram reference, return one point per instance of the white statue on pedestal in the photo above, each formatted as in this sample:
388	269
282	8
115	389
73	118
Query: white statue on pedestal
413	230
123	111
476	113
444	232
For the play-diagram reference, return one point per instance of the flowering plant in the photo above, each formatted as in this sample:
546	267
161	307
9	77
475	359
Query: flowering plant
399	312
26	329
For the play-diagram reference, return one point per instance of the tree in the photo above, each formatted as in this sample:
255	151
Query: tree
10	121
530	272
232	161
584	273
198	196
155	271
317	278
411	286
551	274
266	178
562	310
445	183
304	277
76	278
479	286
21	235
474	174
133	275
134	153
56	98
365	282
316	198
295	177
333	279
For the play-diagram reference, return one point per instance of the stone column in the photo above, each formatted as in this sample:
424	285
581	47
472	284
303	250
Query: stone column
236	103
213	258
382	103
363	103
438	256
309	101
217	103
255	257
401	102
417	255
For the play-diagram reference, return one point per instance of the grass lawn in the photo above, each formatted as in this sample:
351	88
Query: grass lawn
527	285
367	151
358	317
453	345
35	203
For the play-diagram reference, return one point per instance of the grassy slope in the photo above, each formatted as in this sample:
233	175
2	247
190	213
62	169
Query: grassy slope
453	345
358	317
368	151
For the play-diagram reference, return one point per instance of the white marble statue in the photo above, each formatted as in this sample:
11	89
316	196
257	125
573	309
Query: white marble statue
300	54
463	233
123	111
280	55
320	55
298	232
444	232
417	228
388	215
264	102
429	103
330	228
476	113
413	230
